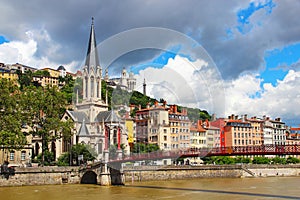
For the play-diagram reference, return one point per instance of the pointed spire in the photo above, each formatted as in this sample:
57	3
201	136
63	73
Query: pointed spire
92	59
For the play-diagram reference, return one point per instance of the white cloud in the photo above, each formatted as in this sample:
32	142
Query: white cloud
184	82
193	84
33	51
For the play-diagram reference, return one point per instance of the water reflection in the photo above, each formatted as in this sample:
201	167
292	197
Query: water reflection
215	191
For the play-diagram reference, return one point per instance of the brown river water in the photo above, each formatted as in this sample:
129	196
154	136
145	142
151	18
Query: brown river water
214	188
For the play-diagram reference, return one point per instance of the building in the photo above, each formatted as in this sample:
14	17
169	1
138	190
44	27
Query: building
126	81
220	124
278	130
159	130
179	128
130	129
238	132
8	74
44	80
213	135
257	129
198	135
95	125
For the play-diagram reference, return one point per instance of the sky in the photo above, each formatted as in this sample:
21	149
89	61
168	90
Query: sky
227	57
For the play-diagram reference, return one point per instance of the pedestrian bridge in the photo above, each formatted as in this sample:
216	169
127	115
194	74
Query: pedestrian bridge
207	152
110	172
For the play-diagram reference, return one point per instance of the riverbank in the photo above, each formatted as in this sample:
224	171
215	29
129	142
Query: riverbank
153	173
72	175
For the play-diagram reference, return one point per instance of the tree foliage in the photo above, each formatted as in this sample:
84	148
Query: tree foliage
76	150
42	112
11	135
144	148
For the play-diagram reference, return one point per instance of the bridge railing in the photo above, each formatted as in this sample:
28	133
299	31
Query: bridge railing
268	149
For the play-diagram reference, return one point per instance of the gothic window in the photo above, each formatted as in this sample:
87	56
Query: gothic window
86	86
92	86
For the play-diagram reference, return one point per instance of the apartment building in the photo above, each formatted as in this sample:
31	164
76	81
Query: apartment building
179	128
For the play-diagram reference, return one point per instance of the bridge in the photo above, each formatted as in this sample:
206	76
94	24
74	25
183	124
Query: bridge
110	171
207	152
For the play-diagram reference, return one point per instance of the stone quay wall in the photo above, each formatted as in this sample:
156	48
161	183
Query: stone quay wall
152	173
42	176
72	175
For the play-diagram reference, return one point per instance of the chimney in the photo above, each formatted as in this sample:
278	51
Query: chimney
148	106
245	117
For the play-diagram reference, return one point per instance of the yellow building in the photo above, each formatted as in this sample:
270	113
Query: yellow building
130	130
8	75
20	157
53	73
44	81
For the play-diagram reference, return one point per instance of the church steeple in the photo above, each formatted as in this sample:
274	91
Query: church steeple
92	59
92	72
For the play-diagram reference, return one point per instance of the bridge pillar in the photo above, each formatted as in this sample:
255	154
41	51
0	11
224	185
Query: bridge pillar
105	178
119	154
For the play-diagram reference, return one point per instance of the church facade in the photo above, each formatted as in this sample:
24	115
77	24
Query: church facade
94	124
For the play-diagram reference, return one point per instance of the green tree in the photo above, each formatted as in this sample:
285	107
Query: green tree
68	89
11	136
25	79
42	73
144	148
278	160
260	160
292	160
88	153
42	112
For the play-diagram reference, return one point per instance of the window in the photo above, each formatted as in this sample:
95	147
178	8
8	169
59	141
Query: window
12	155
23	155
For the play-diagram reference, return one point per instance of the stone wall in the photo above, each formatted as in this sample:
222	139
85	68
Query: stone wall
42	176
271	170
180	172
151	173
71	175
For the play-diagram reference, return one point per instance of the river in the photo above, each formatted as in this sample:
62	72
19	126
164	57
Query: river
215	188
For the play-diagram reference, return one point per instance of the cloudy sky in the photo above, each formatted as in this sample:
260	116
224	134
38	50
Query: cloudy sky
233	56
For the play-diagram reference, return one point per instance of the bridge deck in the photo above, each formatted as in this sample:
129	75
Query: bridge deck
222	151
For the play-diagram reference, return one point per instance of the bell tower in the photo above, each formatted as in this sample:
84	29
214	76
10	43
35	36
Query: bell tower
92	102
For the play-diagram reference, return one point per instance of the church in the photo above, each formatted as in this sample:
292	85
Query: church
94	124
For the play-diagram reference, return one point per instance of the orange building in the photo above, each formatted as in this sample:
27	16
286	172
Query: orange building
238	132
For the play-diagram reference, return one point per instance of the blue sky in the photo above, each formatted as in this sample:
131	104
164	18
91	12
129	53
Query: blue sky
3	39
249	41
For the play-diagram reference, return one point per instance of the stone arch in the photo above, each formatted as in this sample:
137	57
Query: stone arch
89	177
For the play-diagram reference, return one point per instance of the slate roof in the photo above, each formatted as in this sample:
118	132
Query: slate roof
78	116
83	131
108	116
